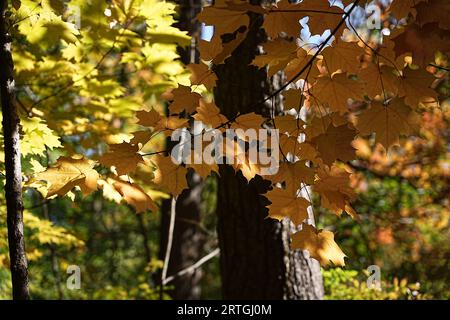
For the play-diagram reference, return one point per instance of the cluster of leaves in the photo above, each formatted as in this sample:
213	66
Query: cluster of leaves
350	87
67	57
73	67
404	206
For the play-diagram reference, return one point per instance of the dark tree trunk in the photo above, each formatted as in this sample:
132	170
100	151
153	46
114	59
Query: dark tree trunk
256	261
13	186
188	239
187	10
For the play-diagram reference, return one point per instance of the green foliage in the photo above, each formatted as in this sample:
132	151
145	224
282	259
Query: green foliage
82	68
393	234
341	284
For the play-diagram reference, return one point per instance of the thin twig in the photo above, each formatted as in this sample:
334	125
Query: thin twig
438	67
38	205
169	244
195	266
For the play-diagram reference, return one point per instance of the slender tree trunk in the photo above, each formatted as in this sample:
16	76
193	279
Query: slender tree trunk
256	261
13	186
188	238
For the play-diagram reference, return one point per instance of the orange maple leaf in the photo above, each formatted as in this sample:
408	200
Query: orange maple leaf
320	245
124	157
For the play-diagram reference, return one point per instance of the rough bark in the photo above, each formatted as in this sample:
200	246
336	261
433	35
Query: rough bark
188	239
256	261
13	185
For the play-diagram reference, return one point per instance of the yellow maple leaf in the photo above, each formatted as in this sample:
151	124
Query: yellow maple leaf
148	118
286	204
170	176
320	245
335	144
289	144
135	196
333	185
278	53
334	92
141	137
284	17
300	63
124	157
420	42
37	137
68	173
248	168
433	11
202	74
108	190
204	168
415	87
168	124
236	155
223	19
388	122
209	114
292	98
293	174
248	121
379	80
344	56
183	99
319	124
290	127
210	49
307	152
289	124
319	21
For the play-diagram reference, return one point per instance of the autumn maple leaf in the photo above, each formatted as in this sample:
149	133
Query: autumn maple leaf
68	173
124	157
388	122
286	204
320	245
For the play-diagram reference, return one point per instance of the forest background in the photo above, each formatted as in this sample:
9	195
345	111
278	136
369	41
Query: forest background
84	77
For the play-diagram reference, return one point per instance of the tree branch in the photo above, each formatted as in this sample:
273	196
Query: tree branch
169	244
195	266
